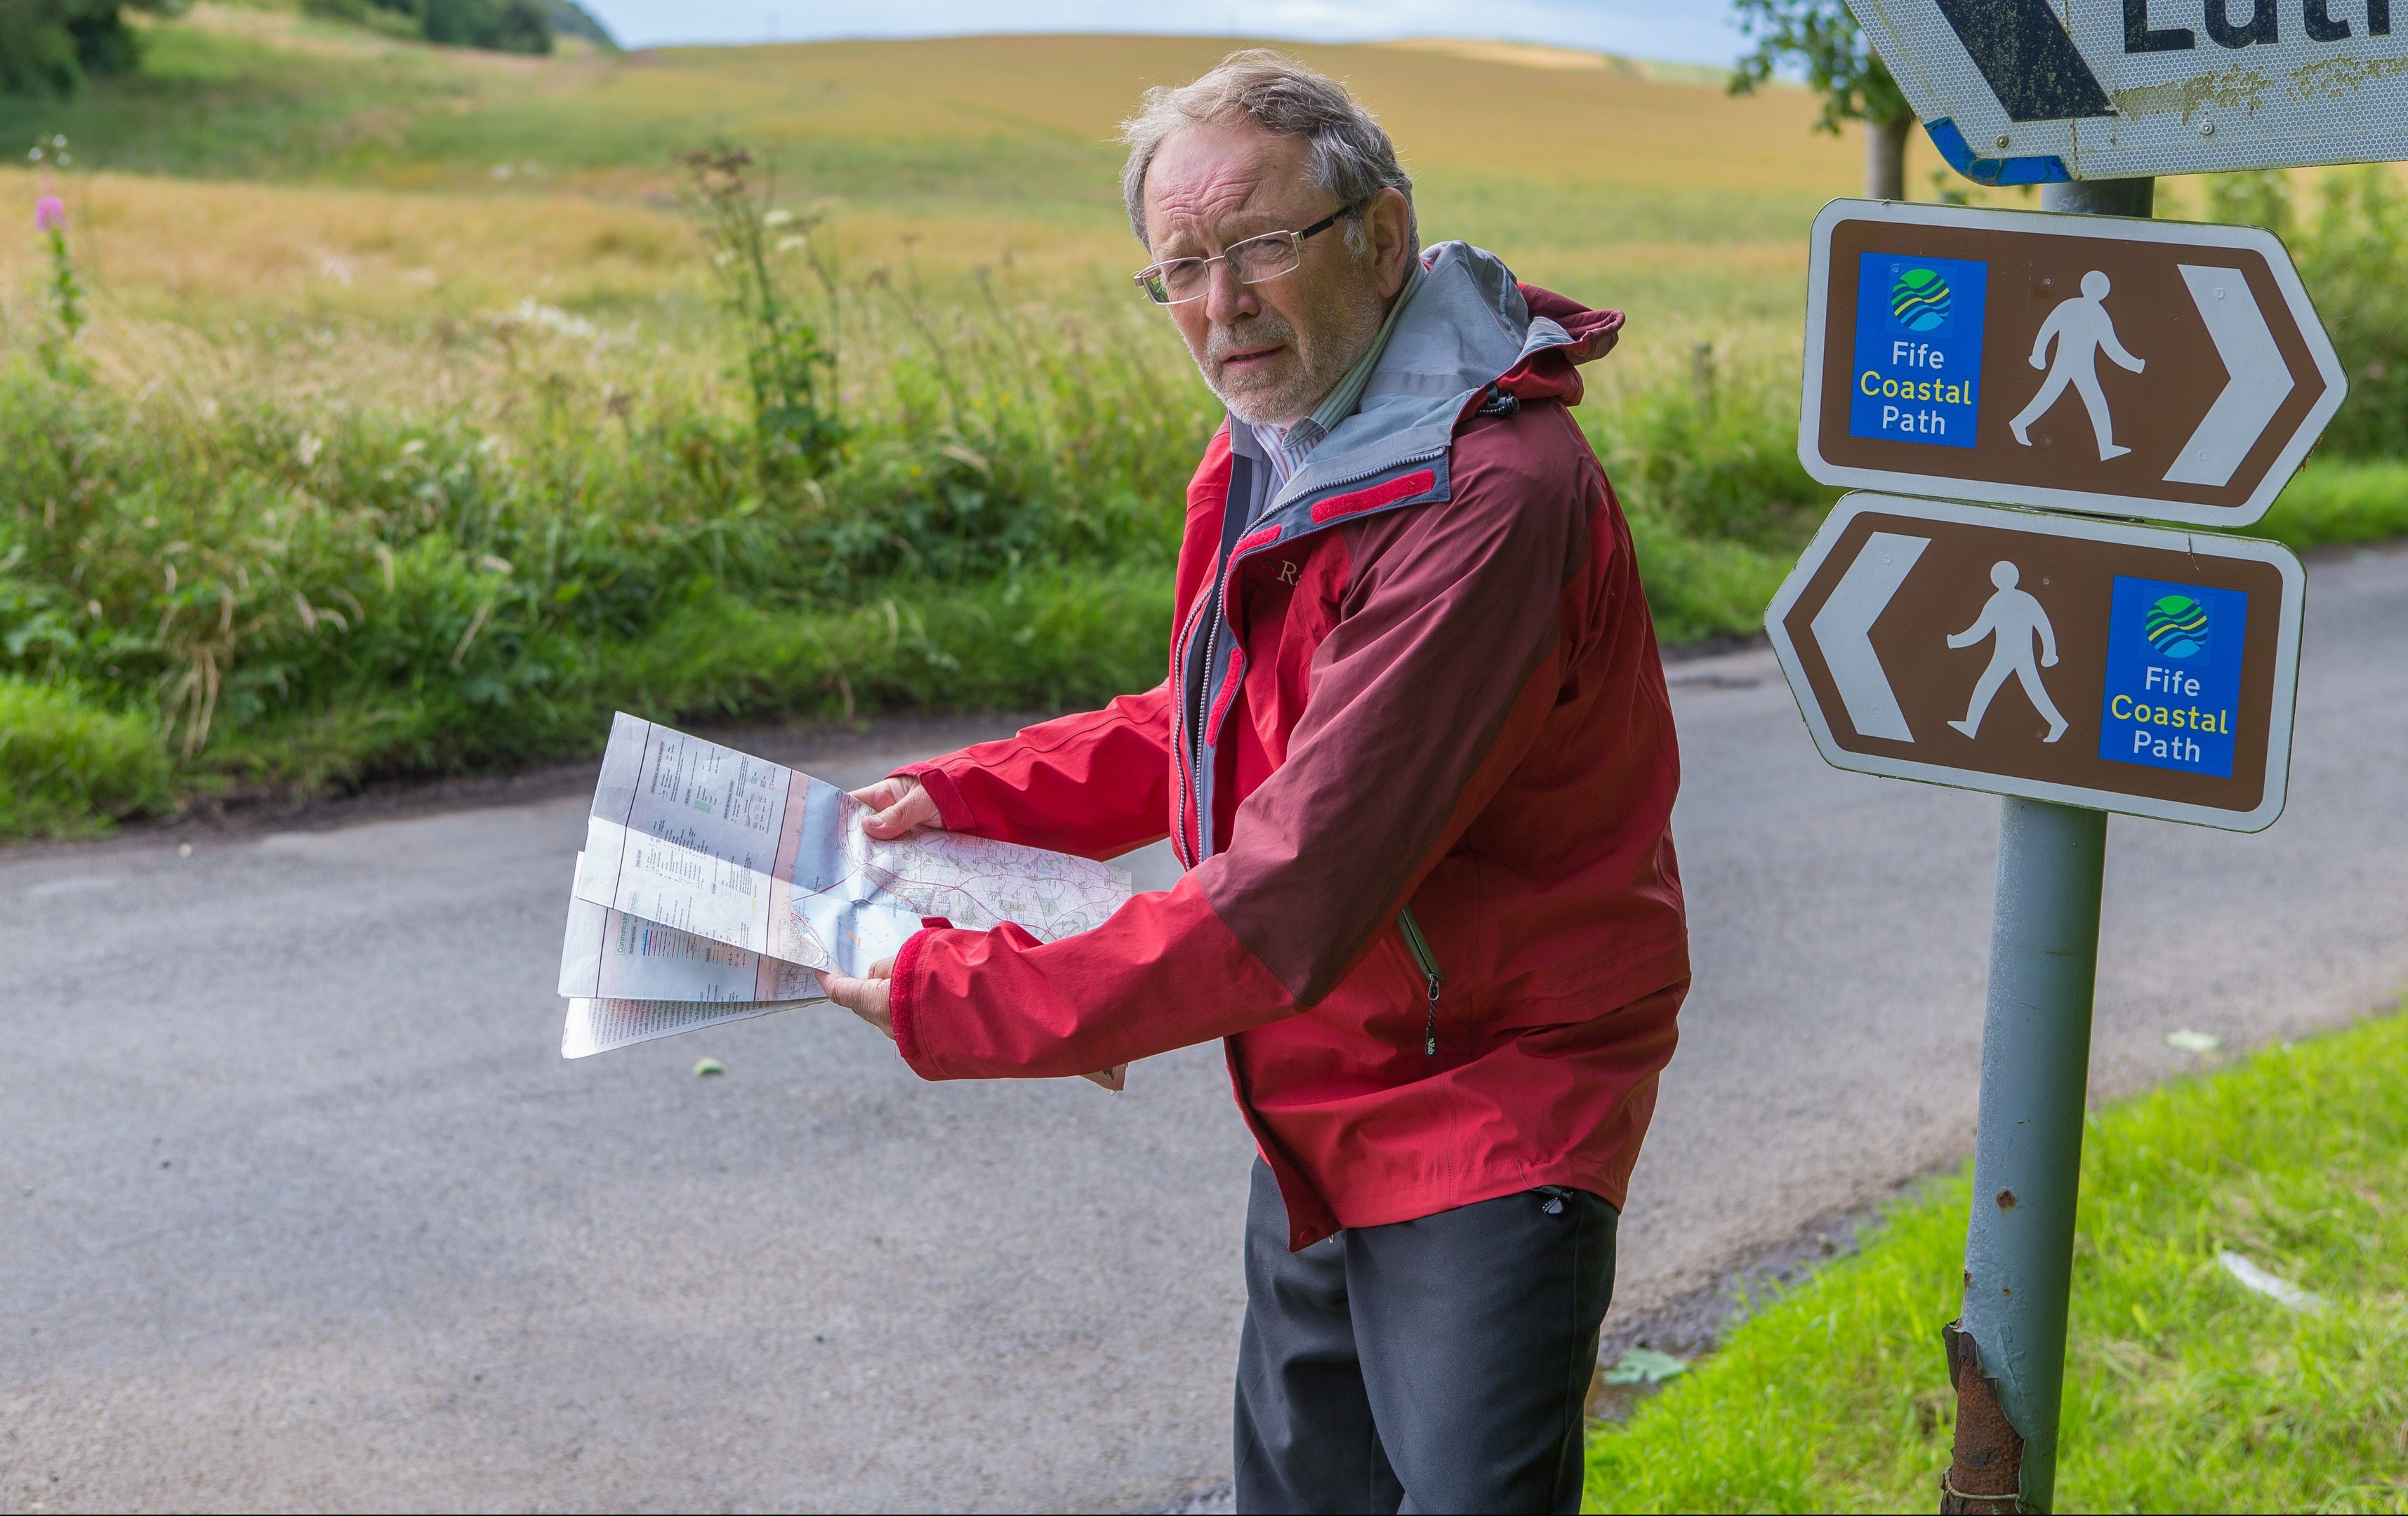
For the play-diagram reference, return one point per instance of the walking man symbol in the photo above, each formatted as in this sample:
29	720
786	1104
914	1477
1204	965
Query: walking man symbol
2017	620
2082	330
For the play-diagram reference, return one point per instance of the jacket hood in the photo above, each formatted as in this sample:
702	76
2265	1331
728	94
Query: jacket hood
1469	324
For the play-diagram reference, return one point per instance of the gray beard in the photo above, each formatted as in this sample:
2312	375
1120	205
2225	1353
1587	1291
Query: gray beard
1321	363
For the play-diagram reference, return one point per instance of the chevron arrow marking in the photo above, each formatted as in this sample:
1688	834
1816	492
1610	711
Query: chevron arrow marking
2260	378
1844	630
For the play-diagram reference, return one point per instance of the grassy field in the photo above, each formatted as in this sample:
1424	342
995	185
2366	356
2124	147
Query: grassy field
2185	1390
396	421
960	153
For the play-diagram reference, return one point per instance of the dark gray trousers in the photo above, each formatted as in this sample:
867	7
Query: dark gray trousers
1439	1364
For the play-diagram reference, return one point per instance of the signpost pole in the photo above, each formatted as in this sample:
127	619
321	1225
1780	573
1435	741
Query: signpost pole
2006	1352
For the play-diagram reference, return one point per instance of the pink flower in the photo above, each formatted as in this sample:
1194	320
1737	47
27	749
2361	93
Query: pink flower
49	214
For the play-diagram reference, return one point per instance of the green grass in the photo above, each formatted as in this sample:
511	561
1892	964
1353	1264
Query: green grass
1052	638
210	104
69	766
2333	503
2185	1392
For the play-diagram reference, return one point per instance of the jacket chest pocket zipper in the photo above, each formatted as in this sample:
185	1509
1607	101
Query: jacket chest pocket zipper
1426	961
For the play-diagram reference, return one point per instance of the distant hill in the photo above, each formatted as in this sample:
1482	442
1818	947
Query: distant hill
1563	60
569	19
1531	147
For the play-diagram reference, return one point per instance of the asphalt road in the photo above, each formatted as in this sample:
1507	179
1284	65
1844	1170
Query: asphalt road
301	1209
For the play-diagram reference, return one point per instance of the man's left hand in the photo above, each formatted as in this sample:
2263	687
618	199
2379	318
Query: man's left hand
869	997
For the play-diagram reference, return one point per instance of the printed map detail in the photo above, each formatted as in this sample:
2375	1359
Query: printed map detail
974	882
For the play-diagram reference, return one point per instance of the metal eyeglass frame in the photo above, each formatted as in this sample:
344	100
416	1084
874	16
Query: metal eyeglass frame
1147	275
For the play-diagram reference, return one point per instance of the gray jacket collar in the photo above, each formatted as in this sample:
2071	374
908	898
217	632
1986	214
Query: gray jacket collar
1465	326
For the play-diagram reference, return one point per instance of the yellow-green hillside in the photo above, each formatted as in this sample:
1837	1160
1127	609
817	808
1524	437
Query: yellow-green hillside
1655	190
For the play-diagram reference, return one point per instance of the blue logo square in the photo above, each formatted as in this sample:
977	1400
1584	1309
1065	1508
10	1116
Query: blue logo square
1918	374
2174	676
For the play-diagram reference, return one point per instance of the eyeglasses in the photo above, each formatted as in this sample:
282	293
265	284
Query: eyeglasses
1256	261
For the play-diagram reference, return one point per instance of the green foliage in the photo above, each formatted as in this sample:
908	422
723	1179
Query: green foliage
1714	453
2261	197
62	292
2185	1392
497	25
309	592
208	104
524	26
49	47
1051	638
789	364
1821	37
2351	256
69	764
393	17
2352	260
1706	466
248	567
2335	502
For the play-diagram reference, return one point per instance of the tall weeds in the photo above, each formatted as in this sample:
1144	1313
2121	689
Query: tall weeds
299	581
789	353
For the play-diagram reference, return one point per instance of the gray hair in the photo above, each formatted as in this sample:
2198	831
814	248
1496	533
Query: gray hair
1352	156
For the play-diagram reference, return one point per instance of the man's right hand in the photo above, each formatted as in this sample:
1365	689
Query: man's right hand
900	806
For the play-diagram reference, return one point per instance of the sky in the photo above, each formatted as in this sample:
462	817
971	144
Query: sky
1671	31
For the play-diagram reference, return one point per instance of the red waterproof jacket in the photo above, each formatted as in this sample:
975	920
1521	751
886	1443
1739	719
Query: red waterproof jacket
1422	674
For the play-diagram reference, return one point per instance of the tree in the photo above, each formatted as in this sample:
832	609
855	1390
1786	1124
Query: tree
1822	37
500	25
49	47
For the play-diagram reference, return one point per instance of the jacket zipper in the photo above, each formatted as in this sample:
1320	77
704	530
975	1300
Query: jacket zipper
1419	947
1208	627
1329	487
1207	623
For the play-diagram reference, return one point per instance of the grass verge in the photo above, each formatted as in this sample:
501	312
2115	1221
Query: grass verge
1050	636
68	767
2185	1392
2336	504
1050	639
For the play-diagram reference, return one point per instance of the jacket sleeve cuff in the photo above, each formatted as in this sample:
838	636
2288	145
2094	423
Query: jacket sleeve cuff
903	1003
952	808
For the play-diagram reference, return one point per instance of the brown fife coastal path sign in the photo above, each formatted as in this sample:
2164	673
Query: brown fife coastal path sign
2077	363
2090	663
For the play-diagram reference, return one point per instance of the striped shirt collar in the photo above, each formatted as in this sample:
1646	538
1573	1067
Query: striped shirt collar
1285	448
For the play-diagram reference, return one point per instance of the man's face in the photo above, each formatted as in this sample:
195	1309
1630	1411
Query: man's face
1269	351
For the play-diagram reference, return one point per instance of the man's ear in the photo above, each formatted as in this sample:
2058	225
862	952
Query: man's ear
1389	222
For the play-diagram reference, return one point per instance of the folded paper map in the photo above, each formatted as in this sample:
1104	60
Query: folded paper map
609	955
754	855
715	886
600	1025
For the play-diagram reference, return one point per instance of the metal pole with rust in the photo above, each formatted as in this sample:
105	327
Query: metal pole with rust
2006	1352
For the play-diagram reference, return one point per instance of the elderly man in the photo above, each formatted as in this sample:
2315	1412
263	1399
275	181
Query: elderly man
1415	752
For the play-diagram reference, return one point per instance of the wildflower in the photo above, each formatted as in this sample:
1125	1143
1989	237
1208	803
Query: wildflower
49	214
